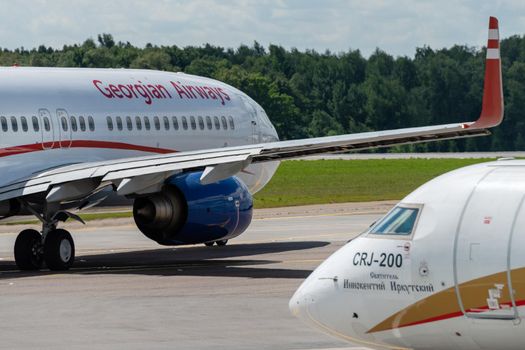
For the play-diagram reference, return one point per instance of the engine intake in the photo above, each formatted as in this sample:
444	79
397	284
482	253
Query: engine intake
187	212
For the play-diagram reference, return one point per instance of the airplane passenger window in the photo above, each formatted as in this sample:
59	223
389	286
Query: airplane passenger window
24	124
232	124
175	123
74	125
119	123
3	121
224	123
184	123
110	123
147	124
64	123
91	123
217	123
138	122
82	123
201	123
400	221
192	122
166	123
47	124
208	122
156	121
129	123
14	124
36	124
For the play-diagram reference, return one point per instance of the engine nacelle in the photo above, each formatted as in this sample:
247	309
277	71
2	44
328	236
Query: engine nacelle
187	212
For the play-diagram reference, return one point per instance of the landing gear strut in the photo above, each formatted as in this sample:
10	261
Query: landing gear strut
54	246
220	243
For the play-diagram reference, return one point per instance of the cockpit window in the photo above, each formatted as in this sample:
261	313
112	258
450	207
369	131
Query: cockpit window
401	221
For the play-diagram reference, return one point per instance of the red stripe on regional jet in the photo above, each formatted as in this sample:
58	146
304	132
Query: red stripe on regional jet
458	313
37	147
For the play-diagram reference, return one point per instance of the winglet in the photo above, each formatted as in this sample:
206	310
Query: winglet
492	108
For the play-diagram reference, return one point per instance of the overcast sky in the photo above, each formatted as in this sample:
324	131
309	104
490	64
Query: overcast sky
396	26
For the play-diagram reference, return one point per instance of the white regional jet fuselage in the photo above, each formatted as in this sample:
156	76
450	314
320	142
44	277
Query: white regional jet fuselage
57	116
444	269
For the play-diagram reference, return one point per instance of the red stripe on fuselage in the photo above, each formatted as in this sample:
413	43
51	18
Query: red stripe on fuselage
37	147
457	314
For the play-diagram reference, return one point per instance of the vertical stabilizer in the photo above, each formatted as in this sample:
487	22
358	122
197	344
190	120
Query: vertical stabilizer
492	108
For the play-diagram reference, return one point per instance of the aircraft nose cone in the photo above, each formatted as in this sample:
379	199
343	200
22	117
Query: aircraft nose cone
321	304
304	303
299	305
303	307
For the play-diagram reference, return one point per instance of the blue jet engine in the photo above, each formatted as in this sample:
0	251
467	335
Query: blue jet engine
187	212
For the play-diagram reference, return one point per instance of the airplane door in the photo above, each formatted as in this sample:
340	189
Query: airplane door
517	258
46	129
481	255
64	127
256	134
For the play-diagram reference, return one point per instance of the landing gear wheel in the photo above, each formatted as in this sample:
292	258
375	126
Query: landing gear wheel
209	244
222	242
59	250
28	250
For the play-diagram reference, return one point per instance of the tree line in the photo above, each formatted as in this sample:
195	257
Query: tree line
309	94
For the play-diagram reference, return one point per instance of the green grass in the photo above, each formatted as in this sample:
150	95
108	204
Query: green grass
102	216
301	182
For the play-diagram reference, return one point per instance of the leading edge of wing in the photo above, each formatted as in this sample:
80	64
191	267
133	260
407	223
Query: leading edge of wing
375	139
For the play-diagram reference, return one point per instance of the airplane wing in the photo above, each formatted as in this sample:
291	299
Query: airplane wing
138	174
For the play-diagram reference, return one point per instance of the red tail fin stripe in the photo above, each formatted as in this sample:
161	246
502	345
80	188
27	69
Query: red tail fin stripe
493	23
493	44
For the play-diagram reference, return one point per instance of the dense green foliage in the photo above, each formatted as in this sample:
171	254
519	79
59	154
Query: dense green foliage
300	182
315	94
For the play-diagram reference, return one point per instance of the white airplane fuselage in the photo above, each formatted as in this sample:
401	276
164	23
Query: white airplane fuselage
450	275
52	117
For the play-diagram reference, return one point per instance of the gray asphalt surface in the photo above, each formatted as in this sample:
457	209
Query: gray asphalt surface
126	292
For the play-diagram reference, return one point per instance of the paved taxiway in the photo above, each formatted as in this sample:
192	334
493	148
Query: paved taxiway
126	292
